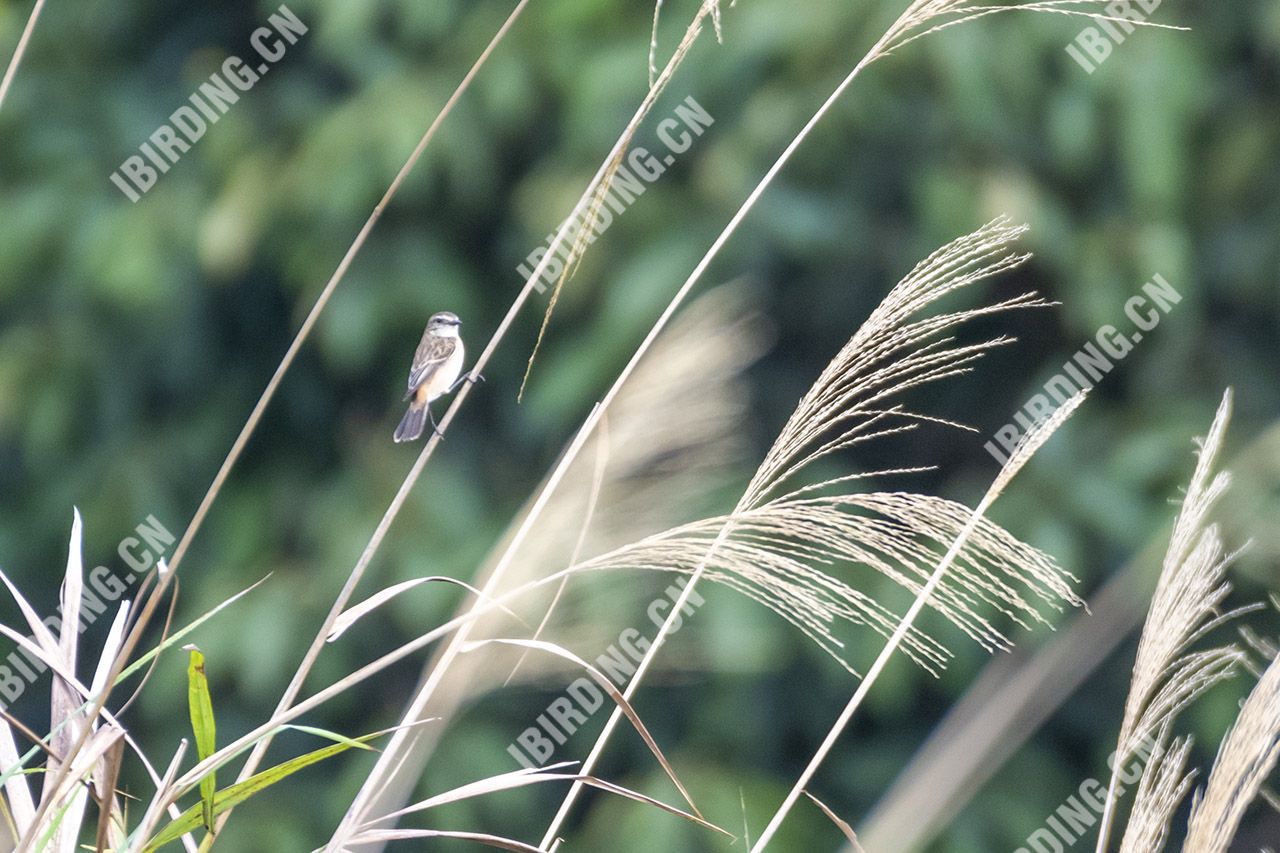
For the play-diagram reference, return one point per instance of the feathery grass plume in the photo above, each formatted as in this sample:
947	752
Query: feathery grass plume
925	17
774	552
1245	759
1161	788
1186	606
672	439
891	353
767	549
1030	443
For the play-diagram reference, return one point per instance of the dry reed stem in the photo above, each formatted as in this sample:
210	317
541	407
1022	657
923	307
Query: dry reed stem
20	50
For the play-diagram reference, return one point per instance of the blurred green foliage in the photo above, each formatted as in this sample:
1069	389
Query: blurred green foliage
135	338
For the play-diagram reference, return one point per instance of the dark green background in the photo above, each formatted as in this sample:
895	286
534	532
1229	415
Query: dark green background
135	338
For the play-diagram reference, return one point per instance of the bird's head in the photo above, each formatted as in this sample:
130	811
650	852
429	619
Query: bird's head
444	323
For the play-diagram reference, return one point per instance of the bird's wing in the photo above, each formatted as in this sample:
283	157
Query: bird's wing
432	353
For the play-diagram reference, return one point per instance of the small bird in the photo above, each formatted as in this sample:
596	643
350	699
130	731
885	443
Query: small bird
437	363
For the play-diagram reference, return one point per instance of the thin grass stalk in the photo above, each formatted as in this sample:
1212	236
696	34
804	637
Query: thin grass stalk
20	50
665	630
295	684
1019	457
595	188
331	285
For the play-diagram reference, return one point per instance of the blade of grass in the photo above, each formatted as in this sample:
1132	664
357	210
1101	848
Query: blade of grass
200	703
841	823
234	795
382	836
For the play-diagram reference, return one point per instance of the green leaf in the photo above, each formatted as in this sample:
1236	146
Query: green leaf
201	704
354	743
241	791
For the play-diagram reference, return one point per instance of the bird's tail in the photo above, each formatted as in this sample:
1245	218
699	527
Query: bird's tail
411	425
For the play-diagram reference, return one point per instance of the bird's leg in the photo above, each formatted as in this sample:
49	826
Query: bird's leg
435	428
472	377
